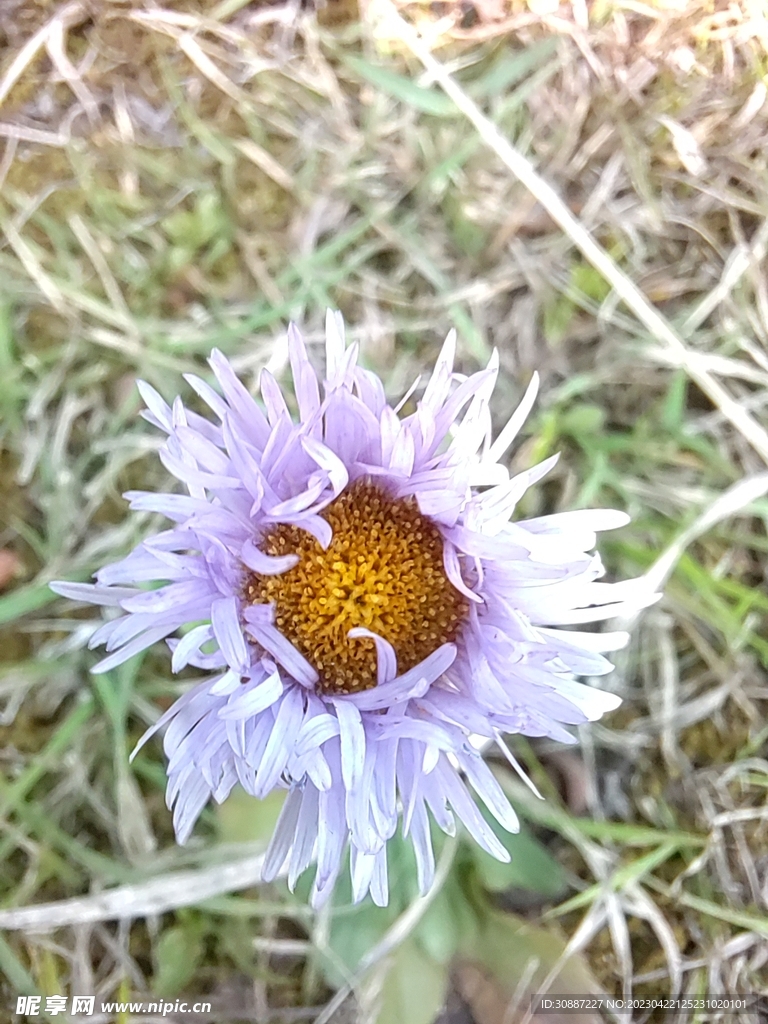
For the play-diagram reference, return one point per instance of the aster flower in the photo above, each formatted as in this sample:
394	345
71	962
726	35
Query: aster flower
365	607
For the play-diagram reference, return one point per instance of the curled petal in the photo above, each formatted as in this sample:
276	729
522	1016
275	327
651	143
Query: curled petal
266	565
327	460
413	683
386	659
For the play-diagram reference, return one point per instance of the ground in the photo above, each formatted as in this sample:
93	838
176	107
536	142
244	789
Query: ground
182	177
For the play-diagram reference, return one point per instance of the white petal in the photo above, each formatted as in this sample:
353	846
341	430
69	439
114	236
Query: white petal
515	422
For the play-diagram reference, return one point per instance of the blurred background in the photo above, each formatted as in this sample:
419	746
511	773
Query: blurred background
182	176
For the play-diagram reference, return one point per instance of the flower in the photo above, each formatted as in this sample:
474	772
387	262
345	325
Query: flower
368	608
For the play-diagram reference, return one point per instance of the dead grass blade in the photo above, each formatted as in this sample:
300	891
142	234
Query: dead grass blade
142	899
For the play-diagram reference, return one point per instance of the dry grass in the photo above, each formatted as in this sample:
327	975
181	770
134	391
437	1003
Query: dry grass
179	177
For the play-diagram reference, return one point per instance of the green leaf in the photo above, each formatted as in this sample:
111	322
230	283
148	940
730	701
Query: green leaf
438	931
557	316
414	988
353	932
583	418
590	282
449	924
177	954
235	935
244	819
15	972
429	101
531	866
752	922
24	600
673	407
193	229
621	877
511	68
468	236
510	948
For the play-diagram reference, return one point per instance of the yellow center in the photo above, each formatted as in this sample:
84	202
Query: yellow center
383	570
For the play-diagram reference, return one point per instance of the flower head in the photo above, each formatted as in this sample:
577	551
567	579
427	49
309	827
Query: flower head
364	604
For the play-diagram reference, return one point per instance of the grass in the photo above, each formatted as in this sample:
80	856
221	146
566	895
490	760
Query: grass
179	178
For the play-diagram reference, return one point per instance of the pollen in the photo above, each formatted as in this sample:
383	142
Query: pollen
383	570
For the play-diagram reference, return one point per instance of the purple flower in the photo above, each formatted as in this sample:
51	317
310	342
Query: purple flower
367	608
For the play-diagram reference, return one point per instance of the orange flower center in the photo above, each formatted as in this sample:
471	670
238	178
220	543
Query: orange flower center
383	571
